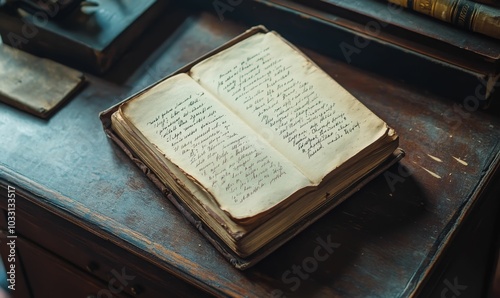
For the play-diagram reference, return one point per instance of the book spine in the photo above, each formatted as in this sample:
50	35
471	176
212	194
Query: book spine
462	13
489	2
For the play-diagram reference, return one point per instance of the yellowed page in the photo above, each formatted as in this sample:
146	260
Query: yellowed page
288	100
202	137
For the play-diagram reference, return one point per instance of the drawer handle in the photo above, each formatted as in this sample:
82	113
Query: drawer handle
92	267
136	290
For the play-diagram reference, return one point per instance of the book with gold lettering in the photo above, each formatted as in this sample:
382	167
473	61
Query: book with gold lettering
252	142
462	13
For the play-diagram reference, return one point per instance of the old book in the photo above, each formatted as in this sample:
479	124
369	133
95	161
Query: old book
255	141
393	41
462	13
36	85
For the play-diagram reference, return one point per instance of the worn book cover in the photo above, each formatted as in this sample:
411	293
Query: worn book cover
38	86
254	141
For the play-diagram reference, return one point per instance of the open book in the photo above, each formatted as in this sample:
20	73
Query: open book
254	140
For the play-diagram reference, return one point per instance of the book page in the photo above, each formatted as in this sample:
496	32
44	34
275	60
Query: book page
289	101
217	150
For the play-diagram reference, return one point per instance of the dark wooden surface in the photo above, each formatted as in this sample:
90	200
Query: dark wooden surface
388	237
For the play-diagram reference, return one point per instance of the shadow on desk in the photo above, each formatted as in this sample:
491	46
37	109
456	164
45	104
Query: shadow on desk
333	249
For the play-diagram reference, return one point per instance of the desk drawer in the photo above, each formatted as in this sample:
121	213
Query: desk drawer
49	276
115	267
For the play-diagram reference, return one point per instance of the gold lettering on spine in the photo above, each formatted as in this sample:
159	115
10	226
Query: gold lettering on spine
440	9
423	6
463	15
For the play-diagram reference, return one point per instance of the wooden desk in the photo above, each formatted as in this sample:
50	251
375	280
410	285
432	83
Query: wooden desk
89	223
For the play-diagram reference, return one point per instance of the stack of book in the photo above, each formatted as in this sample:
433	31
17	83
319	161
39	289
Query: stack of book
385	38
465	14
459	37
